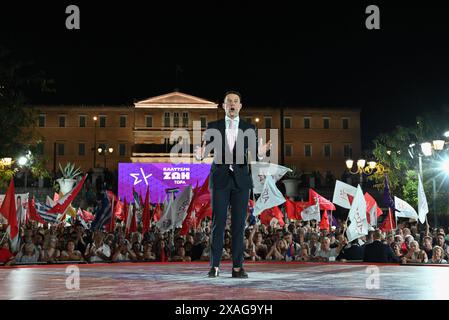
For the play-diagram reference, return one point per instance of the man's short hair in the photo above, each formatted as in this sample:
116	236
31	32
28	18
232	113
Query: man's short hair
233	92
377	234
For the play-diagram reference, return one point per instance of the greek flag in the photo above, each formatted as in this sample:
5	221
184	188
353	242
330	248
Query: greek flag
42	210
103	213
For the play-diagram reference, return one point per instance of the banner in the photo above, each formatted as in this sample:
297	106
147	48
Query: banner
357	215
259	170
159	176
270	197
21	207
404	210
341	192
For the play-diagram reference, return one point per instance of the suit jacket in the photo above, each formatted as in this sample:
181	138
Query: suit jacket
219	172
379	252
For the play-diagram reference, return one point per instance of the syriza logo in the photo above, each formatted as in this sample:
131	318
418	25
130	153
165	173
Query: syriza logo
137	175
177	175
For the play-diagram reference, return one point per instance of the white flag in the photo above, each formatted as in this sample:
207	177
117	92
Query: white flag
373	216
165	223
423	209
180	206
404	209
341	192
269	198
312	212
357	215
259	170
129	217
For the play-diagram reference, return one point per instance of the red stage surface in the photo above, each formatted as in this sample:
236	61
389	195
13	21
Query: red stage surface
189	281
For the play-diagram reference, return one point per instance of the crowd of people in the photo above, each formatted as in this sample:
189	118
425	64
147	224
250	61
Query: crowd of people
295	241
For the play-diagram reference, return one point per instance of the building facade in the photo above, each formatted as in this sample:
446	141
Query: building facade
313	139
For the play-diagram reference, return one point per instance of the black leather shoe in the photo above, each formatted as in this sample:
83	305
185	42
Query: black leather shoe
213	273
239	274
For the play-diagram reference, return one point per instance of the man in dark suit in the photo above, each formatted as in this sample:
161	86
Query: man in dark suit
230	180
378	251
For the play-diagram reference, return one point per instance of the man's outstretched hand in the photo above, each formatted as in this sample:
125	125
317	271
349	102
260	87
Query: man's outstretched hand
200	151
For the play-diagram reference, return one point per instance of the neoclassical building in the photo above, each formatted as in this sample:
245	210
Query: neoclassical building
312	139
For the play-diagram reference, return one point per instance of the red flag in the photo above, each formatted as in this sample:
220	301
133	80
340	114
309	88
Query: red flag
299	206
324	223
111	226
205	210
86	215
157	213
65	201
290	209
125	211
8	210
370	203
33	213
111	195
146	218
389	223
118	210
203	195
250	204
324	203
188	221
268	214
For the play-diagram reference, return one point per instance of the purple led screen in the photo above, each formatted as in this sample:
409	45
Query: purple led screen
159	177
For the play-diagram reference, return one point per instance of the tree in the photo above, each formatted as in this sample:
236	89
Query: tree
17	119
410	189
398	152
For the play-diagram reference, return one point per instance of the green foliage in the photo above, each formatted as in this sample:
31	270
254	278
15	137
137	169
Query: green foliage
410	189
294	174
402	168
69	172
6	174
17	78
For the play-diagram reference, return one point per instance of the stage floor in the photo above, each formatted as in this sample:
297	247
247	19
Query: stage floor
189	281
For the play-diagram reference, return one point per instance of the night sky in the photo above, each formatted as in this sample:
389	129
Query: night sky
287	53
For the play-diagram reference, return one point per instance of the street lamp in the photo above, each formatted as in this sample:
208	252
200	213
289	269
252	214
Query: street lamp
5	162
445	166
104	152
427	149
23	162
95	118
364	169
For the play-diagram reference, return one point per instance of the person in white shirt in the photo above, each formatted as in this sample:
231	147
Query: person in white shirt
98	251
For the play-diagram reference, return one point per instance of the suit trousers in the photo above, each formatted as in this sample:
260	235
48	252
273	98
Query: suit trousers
221	198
